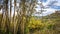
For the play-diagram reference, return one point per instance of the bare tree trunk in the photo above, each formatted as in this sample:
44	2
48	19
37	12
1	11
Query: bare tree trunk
0	22
7	19
20	18
14	17
23	15
11	29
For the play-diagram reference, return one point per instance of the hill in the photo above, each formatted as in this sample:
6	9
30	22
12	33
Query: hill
55	17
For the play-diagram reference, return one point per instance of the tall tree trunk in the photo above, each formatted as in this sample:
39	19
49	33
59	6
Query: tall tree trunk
14	17
11	29
7	19
20	18
23	15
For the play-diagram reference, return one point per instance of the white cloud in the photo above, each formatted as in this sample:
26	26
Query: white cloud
57	4
49	10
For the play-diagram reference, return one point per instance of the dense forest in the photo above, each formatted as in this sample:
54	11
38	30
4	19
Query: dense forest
17	17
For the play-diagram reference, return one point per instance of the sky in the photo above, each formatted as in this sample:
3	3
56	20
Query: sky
52	5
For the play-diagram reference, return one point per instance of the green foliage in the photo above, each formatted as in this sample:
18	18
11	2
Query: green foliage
50	26
37	24
33	23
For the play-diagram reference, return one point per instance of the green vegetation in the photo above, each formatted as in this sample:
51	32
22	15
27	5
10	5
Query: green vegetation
34	25
22	21
50	24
